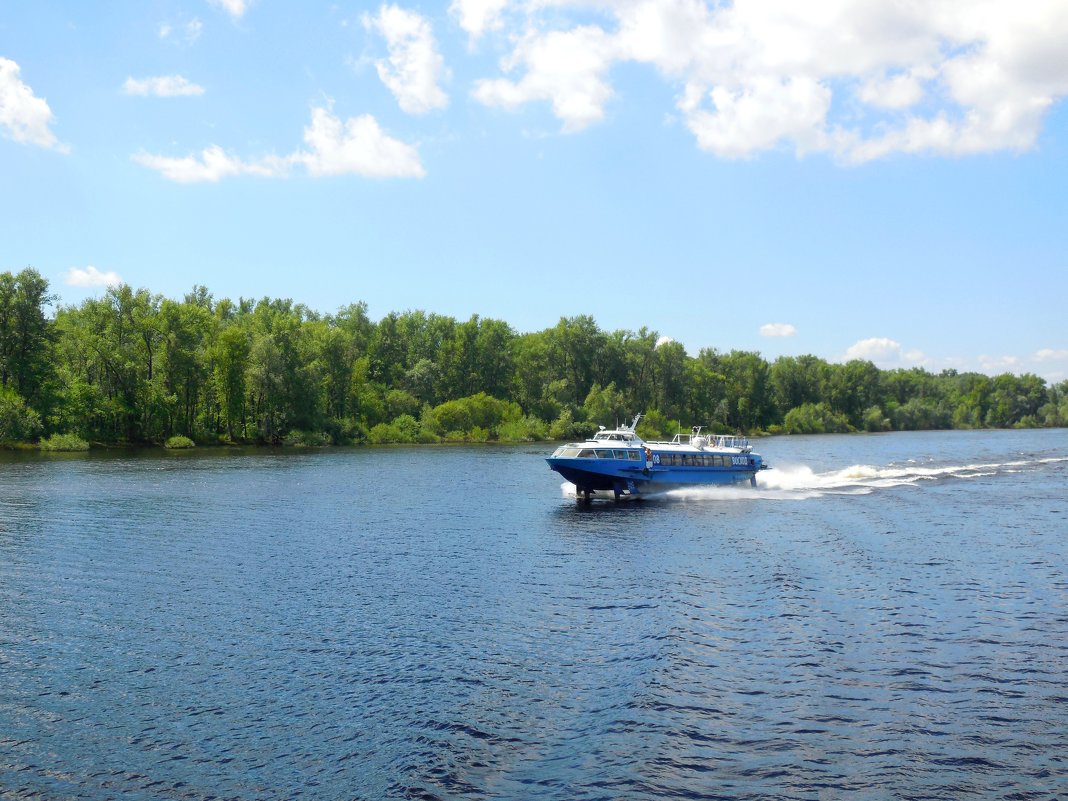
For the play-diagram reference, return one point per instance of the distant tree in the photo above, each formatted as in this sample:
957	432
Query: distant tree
133	366
25	333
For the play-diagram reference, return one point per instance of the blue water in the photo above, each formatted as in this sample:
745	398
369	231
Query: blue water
883	617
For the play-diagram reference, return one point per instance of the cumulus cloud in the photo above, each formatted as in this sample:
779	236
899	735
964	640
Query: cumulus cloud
24	117
91	277
885	353
566	68
478	16
414	67
357	146
1051	363
1051	355
210	165
663	340
997	364
235	8
777	330
162	86
858	79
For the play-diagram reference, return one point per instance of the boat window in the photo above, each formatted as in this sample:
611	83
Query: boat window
606	454
569	453
586	453
621	454
634	456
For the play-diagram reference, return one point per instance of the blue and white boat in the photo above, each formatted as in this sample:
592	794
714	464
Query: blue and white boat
618	461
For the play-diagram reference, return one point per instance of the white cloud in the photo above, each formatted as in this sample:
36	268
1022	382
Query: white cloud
1051	355
162	86
566	68
885	353
414	66
858	79
357	145
235	8
24	117
777	330
760	115
479	16
190	31
997	364
211	165
898	91
663	340
91	277
875	349
1051	364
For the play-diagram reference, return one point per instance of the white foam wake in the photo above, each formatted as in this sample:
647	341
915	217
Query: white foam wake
863	479
799	482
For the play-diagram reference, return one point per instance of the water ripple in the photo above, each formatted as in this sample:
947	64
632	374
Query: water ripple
348	625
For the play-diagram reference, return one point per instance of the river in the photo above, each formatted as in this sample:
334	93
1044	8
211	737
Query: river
884	616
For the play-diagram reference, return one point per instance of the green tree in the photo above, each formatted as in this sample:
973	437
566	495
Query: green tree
18	422
605	406
25	333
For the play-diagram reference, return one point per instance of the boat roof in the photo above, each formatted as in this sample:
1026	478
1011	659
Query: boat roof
685	443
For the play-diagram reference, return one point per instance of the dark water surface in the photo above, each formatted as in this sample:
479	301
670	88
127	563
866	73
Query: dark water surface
884	617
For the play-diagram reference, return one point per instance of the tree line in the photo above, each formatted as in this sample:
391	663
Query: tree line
132	367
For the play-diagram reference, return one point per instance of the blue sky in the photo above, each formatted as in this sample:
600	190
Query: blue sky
848	178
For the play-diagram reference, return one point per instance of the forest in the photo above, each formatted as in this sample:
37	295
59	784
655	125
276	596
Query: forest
133	368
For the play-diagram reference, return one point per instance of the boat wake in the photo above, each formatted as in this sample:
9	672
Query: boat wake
800	482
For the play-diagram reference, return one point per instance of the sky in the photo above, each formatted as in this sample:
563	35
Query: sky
869	179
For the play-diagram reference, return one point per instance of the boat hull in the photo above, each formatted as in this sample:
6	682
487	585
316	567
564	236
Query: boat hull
608	474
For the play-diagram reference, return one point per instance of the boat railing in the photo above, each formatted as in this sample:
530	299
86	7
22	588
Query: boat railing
699	440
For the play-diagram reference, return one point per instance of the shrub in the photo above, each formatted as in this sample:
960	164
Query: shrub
566	427
178	443
875	420
64	442
404	429
474	411
306	439
18	422
815	418
525	429
381	434
921	414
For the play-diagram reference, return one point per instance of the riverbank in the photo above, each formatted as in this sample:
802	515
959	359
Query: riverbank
301	440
